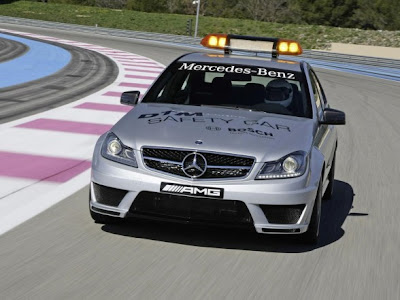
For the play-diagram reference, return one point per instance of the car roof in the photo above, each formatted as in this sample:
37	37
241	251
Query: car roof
256	61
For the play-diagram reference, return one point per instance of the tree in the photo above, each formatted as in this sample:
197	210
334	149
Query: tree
173	6
365	14
255	8
267	10
220	8
390	11
342	12
147	5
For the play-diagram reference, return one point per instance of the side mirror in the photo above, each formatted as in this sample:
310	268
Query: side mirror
130	98
333	117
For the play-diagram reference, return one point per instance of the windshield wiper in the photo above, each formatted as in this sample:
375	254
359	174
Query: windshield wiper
233	107
220	106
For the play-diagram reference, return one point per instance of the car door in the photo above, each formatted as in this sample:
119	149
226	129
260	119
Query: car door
325	138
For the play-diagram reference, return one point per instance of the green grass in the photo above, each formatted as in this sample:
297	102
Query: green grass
310	36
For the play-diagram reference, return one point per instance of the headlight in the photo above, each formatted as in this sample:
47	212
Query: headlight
113	149
292	165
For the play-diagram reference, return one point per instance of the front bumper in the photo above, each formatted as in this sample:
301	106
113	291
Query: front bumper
292	199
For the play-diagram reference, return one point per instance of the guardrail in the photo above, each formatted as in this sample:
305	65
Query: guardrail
364	65
355	59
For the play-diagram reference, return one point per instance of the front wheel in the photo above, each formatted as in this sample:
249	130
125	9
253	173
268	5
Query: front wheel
312	234
331	177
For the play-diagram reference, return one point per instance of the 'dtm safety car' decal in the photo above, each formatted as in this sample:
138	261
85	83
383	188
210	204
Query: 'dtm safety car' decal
198	117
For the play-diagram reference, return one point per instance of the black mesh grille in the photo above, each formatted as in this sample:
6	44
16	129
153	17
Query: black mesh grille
191	209
227	160
224	173
213	159
167	154
165	167
108	196
282	214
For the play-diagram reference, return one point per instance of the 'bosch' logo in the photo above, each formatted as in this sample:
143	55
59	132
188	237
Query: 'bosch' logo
194	165
213	128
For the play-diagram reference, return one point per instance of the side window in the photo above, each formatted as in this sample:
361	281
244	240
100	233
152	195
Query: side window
317	94
320	89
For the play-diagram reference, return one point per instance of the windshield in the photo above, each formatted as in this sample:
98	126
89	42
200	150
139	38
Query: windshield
232	86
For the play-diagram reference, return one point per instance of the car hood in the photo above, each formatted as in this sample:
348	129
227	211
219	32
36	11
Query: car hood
205	128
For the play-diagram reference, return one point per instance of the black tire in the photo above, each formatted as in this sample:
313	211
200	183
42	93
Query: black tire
311	235
331	177
103	219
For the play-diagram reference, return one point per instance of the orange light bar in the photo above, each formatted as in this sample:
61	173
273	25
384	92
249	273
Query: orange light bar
229	42
215	41
288	47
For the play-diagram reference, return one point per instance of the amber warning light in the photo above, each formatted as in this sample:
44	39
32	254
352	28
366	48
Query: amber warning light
229	43
289	47
216	41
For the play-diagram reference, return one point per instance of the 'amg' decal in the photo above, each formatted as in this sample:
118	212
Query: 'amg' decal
199	191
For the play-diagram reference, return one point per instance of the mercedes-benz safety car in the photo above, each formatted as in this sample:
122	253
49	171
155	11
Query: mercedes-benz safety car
243	139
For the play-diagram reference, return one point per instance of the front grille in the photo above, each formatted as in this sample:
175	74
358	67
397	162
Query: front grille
225	173
167	154
282	214
218	165
182	208
171	168
227	160
107	195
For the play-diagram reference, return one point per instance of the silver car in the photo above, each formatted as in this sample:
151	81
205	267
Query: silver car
233	140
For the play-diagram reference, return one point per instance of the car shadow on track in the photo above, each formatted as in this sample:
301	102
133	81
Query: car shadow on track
334	213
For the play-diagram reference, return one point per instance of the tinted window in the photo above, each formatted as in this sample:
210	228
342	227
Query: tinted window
317	94
255	88
321	90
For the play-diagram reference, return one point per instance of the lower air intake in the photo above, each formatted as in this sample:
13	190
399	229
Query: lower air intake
182	208
282	214
107	195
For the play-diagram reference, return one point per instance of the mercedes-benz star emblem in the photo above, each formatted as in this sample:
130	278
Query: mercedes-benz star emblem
194	165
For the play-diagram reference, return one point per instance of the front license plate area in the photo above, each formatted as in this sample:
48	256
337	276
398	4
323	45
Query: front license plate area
191	191
180	207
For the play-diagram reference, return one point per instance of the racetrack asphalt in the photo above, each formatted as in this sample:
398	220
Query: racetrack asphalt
62	254
41	60
10	49
84	73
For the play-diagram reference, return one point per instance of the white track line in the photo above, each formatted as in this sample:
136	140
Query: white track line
22	197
